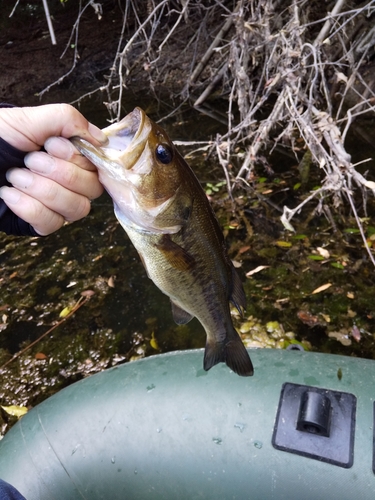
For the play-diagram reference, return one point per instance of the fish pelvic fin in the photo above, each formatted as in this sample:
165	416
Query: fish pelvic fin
180	316
232	352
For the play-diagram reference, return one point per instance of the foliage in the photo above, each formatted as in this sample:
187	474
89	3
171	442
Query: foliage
288	74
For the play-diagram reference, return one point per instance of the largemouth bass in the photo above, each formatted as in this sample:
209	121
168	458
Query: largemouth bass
161	205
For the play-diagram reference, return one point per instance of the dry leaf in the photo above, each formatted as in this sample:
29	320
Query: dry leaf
307	318
351	314
236	263
283	244
244	249
355	333
15	411
321	288
340	77
40	355
256	270
66	311
341	337
111	281
326	317
153	342
323	252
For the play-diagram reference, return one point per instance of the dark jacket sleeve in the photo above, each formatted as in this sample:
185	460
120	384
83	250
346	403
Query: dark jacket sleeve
9	222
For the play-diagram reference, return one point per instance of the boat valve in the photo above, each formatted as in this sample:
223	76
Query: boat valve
314	414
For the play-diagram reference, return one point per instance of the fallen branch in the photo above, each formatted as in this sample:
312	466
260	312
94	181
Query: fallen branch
81	302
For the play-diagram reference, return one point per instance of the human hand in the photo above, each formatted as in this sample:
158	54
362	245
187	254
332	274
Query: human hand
59	184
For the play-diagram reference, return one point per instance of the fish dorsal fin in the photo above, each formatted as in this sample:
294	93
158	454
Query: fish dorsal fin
180	316
176	256
238	297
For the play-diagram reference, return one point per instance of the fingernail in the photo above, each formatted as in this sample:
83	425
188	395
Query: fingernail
9	195
97	133
20	177
39	162
60	147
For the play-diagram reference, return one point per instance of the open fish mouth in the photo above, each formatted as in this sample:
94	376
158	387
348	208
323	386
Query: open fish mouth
126	139
122	134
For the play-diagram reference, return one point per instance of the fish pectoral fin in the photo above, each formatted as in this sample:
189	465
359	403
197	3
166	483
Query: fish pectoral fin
180	316
232	352
176	256
238	297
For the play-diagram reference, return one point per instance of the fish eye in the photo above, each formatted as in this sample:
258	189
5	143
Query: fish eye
164	153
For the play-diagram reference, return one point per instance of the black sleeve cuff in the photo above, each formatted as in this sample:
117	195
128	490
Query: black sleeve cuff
10	223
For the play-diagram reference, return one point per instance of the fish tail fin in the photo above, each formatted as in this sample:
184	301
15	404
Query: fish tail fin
232	352
238	359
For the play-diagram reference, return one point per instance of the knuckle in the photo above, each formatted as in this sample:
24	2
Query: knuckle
80	209
65	109
70	176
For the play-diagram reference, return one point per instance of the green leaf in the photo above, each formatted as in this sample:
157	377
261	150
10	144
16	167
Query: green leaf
316	257
337	265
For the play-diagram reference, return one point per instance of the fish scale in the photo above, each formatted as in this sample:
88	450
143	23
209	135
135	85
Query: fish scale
161	205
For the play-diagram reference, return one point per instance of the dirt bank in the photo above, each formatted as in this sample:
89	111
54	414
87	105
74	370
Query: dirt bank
29	62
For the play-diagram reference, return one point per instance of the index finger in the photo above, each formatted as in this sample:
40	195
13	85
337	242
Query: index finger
62	148
28	128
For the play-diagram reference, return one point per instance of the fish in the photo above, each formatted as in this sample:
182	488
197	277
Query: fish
163	208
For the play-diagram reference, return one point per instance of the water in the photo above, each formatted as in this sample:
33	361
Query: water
40	277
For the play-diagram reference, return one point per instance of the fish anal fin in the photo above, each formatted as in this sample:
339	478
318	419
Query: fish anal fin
176	256
180	316
238	297
231	352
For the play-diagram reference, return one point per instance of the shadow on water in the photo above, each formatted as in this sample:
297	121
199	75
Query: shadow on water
128	317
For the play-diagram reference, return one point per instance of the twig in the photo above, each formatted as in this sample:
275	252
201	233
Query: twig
49	22
219	75
359	224
75	30
327	25
14	8
201	65
81	301
224	165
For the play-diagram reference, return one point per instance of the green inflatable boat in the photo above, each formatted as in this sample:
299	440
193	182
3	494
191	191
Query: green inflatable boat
162	428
